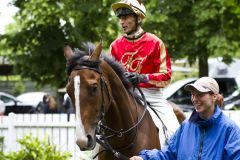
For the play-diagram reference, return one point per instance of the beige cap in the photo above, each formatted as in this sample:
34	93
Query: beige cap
204	84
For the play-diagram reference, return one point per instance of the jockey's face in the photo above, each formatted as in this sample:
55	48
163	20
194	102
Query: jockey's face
128	23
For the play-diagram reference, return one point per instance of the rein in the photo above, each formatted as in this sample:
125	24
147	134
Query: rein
121	132
103	140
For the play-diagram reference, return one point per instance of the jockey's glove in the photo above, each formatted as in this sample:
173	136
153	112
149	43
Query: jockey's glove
136	78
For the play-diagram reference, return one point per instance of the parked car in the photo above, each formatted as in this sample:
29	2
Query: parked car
175	92
32	98
13	105
232	102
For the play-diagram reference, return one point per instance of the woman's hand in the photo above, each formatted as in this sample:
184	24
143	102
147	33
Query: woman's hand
136	158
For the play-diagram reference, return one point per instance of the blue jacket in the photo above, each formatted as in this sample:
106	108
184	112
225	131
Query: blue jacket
215	139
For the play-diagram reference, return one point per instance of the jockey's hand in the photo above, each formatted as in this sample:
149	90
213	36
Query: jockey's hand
136	78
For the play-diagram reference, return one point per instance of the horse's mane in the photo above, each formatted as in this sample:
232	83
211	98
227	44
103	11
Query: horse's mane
86	50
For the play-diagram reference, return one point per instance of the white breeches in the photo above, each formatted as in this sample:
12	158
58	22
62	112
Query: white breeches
165	112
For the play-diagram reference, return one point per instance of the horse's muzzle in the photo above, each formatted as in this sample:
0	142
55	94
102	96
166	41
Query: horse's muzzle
86	143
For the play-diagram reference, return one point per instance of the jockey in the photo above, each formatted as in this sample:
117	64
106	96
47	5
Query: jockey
146	60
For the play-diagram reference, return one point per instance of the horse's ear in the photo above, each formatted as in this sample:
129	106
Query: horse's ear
96	53
68	52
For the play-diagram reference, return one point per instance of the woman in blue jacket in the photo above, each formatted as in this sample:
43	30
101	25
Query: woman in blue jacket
207	135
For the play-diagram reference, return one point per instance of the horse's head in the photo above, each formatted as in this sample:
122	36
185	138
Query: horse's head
85	90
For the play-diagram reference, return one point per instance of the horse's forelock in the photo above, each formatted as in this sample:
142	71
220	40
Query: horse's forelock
86	49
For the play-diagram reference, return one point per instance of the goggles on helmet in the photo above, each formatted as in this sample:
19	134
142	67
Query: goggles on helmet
123	11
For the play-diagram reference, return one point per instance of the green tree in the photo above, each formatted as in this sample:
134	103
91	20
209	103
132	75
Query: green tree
41	29
197	29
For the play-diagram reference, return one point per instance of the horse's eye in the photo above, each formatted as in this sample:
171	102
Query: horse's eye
94	89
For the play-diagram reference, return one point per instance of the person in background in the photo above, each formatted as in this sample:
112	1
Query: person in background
145	59
208	134
67	104
48	105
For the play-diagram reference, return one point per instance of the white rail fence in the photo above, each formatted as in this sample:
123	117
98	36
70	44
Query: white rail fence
58	128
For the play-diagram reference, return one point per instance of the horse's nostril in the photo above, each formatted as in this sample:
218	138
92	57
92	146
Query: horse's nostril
90	140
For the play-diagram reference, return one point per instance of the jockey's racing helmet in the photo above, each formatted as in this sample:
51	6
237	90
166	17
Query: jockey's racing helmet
125	7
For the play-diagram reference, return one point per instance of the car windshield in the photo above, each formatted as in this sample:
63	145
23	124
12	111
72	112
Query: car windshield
172	88
6	98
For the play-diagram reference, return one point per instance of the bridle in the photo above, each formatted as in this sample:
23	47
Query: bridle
101	138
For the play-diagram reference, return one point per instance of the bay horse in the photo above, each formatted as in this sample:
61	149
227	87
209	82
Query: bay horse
106	106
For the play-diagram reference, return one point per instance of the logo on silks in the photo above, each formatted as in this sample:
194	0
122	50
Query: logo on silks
132	62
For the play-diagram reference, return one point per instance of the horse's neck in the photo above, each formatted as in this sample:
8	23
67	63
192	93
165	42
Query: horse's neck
122	112
123	107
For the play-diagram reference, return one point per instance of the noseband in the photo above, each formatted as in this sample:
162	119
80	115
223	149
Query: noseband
101	138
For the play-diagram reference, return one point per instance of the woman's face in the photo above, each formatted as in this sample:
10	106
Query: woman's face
128	23
204	103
